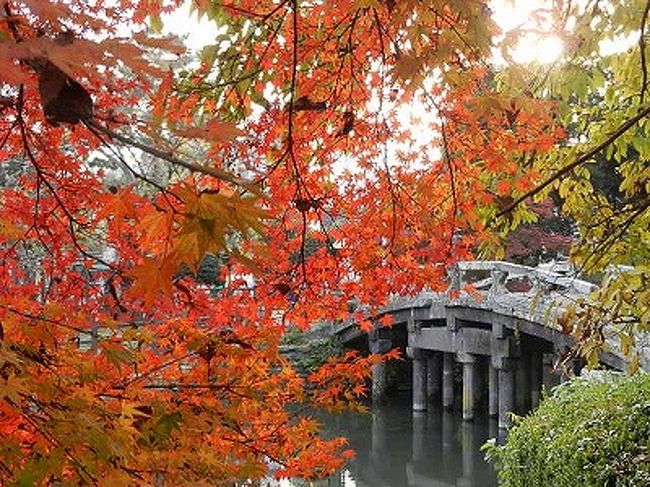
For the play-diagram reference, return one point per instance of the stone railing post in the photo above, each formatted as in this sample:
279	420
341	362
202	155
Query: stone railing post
455	279
499	278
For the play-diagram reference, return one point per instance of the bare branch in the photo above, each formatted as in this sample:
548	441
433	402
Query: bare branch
207	170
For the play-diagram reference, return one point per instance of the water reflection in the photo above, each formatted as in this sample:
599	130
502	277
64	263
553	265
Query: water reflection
397	448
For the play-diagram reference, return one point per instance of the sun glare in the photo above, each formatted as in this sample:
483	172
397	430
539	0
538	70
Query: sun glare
544	47
544	50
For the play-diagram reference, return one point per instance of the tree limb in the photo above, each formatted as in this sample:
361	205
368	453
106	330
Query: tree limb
629	123
167	156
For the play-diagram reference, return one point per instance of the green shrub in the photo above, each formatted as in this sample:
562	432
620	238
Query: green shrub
590	432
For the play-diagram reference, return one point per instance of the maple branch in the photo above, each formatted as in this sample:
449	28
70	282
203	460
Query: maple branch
624	127
11	22
7	134
30	316
452	179
72	220
80	467
452	25
169	157
294	70
600	250
164	191
153	370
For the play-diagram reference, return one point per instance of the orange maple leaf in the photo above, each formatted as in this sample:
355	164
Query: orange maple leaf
152	277
213	131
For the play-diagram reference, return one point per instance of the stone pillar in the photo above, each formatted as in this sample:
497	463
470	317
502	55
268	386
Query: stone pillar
493	428
448	381
419	381
469	384
493	390
563	364
577	363
379	383
336	480
377	345
535	378
434	374
549	378
522	386
506	393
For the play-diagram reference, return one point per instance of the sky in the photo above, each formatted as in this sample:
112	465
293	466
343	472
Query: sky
508	14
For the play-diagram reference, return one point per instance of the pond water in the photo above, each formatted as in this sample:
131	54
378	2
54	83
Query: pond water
398	448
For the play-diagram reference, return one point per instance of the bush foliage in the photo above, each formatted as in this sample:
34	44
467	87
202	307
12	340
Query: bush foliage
588	433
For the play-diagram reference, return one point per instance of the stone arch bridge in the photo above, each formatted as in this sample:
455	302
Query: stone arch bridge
497	323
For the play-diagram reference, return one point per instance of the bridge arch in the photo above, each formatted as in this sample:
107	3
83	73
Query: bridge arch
498	321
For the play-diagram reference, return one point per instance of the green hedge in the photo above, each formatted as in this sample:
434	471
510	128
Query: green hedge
590	432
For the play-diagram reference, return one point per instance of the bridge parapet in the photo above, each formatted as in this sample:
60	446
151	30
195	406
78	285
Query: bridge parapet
505	277
528	293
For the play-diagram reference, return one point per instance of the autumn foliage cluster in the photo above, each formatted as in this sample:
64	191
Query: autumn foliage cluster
279	151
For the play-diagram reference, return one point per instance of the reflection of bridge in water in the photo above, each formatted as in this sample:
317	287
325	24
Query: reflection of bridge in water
427	449
495	327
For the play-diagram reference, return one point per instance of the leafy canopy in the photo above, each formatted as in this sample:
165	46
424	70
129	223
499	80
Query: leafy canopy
278	152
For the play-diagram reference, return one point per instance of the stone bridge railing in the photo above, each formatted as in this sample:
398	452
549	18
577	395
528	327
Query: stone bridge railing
532	294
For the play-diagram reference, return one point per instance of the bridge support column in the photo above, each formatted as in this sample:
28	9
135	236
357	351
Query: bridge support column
506	392
379	345
336	480
570	365
379	382
448	380
419	380
535	378
522	386
576	365
549	378
469	384
434	374
493	390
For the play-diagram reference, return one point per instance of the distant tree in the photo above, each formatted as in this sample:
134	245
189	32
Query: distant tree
547	239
